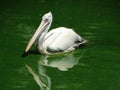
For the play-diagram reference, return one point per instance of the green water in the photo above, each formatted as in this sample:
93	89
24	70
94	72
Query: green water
96	66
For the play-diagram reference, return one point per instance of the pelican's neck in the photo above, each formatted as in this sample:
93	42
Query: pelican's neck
42	36
40	40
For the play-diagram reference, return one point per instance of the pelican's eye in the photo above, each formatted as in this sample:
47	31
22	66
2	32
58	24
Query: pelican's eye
46	20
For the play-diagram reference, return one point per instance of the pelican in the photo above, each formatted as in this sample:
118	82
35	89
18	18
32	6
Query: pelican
57	40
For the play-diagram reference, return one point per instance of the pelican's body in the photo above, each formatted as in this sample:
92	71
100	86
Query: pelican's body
57	40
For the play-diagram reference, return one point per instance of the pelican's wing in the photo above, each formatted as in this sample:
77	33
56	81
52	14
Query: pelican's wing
60	39
51	37
80	39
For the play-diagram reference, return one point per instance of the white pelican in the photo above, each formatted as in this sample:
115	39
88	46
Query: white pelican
60	39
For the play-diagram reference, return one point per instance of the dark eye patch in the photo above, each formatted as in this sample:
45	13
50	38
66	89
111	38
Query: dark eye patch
46	20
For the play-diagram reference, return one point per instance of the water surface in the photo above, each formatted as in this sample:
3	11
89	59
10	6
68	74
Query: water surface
96	66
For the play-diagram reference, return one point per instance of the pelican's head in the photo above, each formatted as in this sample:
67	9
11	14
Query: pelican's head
47	17
44	26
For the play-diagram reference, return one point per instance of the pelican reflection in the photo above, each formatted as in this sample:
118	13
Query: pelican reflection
62	63
43	81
